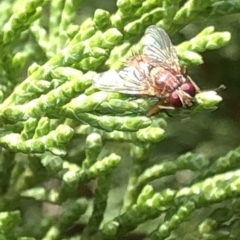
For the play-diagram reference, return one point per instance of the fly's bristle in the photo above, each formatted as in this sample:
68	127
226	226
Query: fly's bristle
129	57
134	52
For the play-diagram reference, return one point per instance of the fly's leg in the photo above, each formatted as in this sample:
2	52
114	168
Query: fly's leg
158	106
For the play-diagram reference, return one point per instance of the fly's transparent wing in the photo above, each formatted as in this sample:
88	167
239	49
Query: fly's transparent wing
157	46
128	80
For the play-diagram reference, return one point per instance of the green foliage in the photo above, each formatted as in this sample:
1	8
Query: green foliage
66	144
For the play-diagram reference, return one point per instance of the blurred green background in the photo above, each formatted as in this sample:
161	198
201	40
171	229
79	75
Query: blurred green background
213	134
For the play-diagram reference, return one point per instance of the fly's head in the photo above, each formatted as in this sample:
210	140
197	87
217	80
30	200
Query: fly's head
183	96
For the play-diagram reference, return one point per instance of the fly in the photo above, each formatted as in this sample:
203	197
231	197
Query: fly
156	72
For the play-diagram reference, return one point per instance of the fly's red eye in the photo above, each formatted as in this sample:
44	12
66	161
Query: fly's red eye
189	89
175	100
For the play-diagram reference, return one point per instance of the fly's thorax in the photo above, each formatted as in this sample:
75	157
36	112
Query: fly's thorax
165	81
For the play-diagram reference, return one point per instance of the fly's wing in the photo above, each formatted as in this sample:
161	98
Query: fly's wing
157	46
128	80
